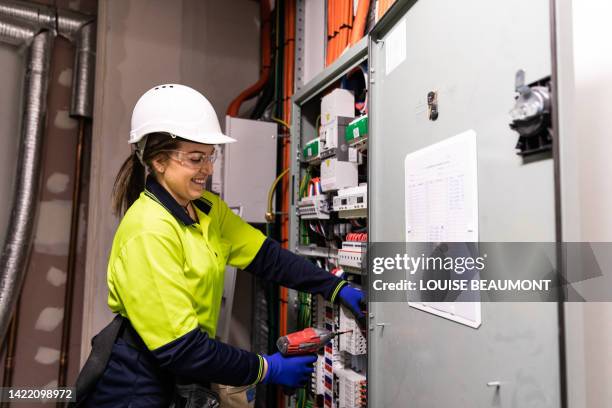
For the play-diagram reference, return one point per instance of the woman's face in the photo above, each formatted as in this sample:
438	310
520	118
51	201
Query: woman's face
185	171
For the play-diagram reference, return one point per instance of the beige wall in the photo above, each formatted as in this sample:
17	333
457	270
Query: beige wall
585	91
211	45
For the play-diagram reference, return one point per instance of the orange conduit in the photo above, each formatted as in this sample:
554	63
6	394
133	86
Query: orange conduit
266	58
360	21
288	82
340	23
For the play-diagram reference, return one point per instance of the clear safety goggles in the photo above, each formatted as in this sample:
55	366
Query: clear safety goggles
193	160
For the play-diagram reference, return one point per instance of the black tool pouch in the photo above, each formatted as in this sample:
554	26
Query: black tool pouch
194	396
92	371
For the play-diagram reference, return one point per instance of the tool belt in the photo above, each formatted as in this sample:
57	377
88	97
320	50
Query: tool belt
191	395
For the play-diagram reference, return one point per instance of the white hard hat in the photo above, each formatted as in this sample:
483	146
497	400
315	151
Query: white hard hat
178	110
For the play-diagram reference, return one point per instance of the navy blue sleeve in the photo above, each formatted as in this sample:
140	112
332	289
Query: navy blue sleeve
199	358
279	265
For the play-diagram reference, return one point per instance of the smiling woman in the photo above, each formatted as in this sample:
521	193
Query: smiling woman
166	267
184	175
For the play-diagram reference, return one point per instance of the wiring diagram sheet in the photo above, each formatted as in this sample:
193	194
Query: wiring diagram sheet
441	205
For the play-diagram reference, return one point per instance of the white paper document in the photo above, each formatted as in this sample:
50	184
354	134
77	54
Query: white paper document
441	205
442	191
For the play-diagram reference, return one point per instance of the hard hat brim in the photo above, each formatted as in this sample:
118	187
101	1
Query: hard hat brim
209	138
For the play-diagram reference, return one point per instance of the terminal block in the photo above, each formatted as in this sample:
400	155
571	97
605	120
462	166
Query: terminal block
352	341
313	208
352	255
352	202
352	389
333	357
318	379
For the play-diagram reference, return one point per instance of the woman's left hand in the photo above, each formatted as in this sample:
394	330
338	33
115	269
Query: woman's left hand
354	300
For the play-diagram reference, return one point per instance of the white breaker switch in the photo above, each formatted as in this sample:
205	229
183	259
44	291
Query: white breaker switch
352	255
337	174
352	202
339	102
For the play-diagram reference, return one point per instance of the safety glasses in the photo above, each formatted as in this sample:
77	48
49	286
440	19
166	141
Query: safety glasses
193	160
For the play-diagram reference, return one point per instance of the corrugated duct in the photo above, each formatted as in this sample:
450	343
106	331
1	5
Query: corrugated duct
76	27
19	235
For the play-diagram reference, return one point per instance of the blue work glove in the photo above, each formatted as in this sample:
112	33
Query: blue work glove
292	372
353	299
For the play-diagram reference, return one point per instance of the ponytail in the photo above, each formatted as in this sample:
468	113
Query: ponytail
130	182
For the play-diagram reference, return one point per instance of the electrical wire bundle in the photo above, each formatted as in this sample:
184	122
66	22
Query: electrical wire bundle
344	28
304	320
318	228
314	187
358	227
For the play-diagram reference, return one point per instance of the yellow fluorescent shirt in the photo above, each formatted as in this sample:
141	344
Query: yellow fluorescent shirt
166	271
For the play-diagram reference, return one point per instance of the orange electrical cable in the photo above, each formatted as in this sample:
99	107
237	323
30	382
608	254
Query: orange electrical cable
360	21
289	48
379	7
347	13
288	66
340	16
335	48
330	30
331	16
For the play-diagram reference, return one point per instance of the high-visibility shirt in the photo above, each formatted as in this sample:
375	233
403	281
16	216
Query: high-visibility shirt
166	275
166	271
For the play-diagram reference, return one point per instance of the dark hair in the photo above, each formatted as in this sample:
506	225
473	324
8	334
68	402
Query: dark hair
130	181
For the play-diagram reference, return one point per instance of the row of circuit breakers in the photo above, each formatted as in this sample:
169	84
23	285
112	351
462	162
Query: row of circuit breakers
332	208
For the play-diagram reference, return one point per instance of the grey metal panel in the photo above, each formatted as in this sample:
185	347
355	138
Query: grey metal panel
468	52
300	51
314	40
249	166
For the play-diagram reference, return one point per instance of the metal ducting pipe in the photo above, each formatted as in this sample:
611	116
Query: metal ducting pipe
15	33
76	27
67	23
19	236
83	72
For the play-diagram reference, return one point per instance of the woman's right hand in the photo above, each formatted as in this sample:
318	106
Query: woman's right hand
292	372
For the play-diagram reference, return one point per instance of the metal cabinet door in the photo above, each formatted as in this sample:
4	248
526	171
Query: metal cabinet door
468	51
